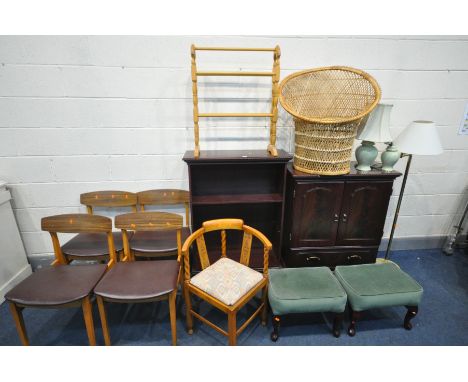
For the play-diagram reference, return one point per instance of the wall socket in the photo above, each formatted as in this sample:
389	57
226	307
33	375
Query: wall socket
464	123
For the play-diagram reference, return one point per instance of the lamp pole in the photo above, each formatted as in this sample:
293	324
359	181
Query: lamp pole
402	190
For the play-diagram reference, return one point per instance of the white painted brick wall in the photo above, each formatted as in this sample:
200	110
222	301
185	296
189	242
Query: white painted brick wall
83	113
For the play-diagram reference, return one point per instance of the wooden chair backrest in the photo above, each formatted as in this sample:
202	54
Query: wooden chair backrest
149	221
108	199
77	223
165	197
223	225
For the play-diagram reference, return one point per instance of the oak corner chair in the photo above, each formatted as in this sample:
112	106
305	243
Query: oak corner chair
226	284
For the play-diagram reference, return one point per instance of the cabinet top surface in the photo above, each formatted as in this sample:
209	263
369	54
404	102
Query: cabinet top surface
353	174
238	156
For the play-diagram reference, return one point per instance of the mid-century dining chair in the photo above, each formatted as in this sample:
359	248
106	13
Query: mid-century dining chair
62	285
152	244
131	281
92	246
226	284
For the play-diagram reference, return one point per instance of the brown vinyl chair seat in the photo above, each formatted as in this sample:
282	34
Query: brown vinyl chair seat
139	280
157	241
89	245
58	285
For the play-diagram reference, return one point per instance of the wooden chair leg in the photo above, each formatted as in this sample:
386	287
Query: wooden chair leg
103	316
232	328
188	306
264	312
354	316
17	313
337	324
410	314
88	318
172	314
276	324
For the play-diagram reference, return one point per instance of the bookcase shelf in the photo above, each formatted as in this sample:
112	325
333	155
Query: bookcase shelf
237	199
245	184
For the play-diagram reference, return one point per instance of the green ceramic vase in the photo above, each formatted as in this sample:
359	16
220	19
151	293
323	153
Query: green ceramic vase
365	155
390	157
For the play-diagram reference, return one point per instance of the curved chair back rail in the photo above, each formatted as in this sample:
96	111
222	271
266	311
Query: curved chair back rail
108	199
165	197
78	223
149	221
223	225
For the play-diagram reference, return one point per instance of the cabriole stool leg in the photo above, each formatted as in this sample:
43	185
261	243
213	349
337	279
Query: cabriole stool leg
276	324
354	316
337	324
410	314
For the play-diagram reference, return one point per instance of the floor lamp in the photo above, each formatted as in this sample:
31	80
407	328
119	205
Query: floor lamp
419	138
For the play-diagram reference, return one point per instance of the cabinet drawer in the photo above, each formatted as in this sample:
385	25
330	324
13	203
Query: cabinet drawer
329	257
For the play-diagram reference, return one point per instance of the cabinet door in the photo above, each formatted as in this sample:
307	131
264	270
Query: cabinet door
363	212
316	210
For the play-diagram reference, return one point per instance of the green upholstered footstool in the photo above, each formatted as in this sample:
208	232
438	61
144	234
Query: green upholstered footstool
305	290
378	285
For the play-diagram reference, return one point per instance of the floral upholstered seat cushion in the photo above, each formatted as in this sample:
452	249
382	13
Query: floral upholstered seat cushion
227	280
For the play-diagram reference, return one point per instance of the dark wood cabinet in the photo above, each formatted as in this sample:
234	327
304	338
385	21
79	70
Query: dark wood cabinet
243	184
335	220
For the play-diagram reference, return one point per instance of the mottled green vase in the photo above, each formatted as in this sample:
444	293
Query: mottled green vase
365	155
390	157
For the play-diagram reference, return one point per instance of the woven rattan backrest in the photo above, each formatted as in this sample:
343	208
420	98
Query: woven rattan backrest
329	105
333	94
108	199
164	197
223	225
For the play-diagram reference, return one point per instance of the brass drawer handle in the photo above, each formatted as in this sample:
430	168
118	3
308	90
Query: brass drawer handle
315	258
354	257
344	218
337	218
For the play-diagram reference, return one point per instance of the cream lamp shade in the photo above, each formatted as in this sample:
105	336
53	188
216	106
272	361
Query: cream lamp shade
419	138
377	128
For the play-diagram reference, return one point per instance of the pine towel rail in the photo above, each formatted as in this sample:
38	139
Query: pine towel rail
239	74
223	48
230	115
274	74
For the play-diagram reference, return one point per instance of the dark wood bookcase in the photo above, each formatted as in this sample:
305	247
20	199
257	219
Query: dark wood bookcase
335	220
245	184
